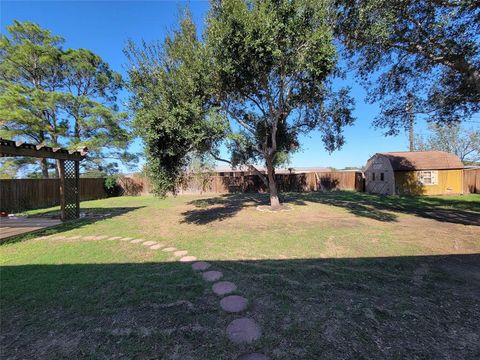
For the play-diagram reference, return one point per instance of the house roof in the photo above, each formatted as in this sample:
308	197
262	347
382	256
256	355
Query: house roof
423	160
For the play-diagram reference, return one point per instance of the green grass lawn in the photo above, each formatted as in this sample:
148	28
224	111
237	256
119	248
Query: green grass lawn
342	275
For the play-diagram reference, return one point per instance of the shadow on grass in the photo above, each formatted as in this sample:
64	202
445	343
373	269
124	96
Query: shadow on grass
92	215
221	207
370	308
377	207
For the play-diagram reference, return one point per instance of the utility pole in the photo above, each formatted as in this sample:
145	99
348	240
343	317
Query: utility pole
410	119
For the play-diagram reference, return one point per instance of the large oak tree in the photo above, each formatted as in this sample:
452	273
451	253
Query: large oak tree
423	56
258	81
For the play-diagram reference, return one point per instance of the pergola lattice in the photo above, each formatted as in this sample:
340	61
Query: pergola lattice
68	165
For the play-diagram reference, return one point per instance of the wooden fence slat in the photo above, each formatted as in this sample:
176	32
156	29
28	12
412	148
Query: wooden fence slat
471	181
303	182
24	194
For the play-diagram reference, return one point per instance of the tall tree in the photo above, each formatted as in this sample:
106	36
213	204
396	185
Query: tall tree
30	78
429	49
90	95
453	138
258	81
59	97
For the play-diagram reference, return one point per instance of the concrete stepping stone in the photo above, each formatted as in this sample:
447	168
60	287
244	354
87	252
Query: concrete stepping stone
89	237
129	238
136	241
101	237
253	356
212	276
234	303
168	249
149	243
180	253
224	287
75	237
156	247
188	259
114	238
200	266
243	331
59	237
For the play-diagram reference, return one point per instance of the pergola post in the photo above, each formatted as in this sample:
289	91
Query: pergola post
77	189
61	171
69	189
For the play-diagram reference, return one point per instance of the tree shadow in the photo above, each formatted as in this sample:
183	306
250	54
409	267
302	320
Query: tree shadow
226	206
376	207
92	216
421	306
222	207
430	207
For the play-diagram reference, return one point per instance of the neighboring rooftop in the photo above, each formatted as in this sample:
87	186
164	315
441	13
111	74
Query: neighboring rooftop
423	160
292	170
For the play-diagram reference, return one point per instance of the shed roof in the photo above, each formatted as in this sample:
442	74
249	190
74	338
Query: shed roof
423	160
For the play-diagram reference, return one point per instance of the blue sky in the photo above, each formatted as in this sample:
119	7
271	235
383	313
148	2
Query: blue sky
105	26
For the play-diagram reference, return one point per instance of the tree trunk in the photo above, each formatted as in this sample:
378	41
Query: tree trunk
44	166
272	185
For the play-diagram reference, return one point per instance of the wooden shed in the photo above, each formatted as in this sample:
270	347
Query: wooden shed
414	173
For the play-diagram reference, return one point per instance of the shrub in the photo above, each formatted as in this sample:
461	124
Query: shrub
111	186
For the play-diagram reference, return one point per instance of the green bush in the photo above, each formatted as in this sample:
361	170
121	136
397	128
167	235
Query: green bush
111	186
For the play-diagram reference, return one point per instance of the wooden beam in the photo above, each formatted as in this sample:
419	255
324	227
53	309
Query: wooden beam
42	153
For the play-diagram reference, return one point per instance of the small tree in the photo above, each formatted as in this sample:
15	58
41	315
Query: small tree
258	81
465	143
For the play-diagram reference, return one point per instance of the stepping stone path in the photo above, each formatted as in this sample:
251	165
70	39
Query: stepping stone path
234	303
243	331
212	276
149	243
253	356
200	266
156	247
224	287
180	253
168	249
239	331
188	259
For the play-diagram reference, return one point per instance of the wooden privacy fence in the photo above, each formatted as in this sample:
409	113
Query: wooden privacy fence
23	194
471	181
335	180
285	182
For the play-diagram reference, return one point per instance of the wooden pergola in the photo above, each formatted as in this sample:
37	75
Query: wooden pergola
68	165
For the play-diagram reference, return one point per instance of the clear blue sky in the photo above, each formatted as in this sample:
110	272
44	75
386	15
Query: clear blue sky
105	26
